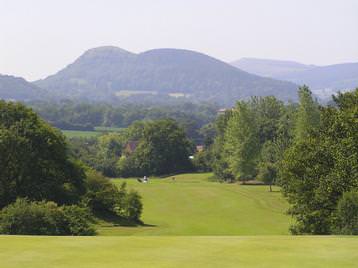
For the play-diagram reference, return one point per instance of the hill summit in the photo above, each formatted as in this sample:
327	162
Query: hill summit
107	73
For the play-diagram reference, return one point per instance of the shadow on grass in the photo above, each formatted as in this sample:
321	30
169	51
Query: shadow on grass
116	220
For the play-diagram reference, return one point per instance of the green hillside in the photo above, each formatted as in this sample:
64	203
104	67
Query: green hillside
192	205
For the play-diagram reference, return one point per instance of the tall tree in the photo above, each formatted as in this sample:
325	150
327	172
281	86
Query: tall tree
242	142
308	116
220	164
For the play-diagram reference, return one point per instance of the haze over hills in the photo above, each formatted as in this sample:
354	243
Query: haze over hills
323	80
106	73
18	89
270	68
327	79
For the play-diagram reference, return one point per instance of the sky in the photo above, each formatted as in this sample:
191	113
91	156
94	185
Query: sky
40	37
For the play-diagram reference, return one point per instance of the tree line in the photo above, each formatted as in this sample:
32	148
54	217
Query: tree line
311	151
74	115
158	147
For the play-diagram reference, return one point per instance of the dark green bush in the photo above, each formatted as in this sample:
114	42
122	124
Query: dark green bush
78	220
102	195
133	206
44	218
347	214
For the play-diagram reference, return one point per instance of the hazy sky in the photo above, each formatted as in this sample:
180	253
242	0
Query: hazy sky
39	37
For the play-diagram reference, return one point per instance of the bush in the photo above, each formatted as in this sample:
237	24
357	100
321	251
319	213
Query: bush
78	220
102	195
133	206
44	218
347	214
129	204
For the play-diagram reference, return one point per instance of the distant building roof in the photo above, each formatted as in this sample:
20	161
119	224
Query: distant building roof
131	146
200	148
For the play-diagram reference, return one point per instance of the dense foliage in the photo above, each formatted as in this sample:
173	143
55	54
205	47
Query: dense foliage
319	169
311	151
347	214
70	115
251	139
35	164
145	148
34	161
162	149
103	197
45	218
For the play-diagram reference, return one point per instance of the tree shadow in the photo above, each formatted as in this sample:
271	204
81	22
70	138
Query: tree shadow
116	220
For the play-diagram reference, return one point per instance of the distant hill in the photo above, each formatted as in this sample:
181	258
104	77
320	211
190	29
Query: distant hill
107	73
323	80
270	68
18	89
329	78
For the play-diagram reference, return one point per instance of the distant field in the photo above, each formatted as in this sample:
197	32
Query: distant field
108	129
88	134
191	205
80	134
174	251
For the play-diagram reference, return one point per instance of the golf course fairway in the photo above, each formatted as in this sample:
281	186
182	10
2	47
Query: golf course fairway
178	251
193	205
189	221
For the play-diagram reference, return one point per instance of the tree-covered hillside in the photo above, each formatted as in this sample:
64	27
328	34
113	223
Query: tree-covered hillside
110	72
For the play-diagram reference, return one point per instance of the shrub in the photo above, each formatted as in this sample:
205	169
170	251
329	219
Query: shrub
133	206
129	204
44	218
347	214
102	195
78	220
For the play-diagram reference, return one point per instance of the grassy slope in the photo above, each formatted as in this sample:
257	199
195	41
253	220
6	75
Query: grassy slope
184	251
194	206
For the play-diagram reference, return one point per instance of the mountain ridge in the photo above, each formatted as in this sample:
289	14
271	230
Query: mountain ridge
105	72
322	80
18	89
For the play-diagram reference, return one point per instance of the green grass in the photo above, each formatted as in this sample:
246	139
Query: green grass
192	205
183	251
89	134
80	134
108	129
182	212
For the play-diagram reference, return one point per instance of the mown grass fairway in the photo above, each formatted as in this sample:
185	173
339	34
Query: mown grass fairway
192	205
173	251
